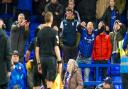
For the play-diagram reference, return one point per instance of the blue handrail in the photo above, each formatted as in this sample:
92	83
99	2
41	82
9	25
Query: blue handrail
97	66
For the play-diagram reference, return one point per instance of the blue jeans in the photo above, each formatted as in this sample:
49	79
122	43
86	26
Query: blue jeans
86	70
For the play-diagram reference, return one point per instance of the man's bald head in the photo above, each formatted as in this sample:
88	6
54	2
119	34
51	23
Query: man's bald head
90	27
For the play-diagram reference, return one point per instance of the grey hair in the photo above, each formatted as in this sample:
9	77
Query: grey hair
75	65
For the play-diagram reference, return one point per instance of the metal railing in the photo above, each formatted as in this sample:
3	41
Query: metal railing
97	66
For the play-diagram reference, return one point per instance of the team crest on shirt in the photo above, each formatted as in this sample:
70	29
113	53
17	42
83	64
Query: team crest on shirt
89	40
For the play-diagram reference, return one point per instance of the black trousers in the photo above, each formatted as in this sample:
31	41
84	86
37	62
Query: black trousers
69	53
124	80
4	86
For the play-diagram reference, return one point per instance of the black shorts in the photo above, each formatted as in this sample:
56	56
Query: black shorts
48	68
36	76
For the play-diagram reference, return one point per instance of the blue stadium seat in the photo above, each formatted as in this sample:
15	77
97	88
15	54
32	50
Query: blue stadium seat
115	70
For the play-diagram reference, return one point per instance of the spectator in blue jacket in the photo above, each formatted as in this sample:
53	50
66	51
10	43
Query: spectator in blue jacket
110	15
88	35
18	73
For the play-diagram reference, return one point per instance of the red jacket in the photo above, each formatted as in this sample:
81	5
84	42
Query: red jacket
102	47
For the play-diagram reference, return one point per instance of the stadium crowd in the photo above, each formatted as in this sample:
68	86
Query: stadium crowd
70	32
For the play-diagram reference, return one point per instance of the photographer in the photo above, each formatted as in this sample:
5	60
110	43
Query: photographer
19	34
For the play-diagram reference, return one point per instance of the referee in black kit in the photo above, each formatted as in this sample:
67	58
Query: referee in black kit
47	52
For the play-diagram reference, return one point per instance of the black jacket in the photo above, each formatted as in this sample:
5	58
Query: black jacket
18	38
5	62
107	15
